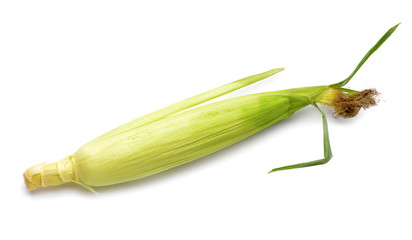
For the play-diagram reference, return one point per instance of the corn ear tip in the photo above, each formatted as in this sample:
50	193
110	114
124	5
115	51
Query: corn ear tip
33	176
29	185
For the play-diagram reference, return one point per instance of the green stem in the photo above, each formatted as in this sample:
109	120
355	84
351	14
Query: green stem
365	58
327	152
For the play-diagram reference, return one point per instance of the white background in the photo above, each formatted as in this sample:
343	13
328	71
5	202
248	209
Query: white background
71	70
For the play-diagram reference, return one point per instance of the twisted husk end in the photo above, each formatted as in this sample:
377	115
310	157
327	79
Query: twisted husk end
49	174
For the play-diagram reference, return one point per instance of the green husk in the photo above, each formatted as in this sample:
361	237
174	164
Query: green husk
180	133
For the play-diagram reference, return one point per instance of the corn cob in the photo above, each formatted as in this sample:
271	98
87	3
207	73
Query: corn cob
171	136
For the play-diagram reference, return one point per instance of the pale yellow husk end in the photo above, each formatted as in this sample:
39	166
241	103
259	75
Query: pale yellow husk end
50	174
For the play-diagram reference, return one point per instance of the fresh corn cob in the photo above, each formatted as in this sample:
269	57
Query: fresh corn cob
171	137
